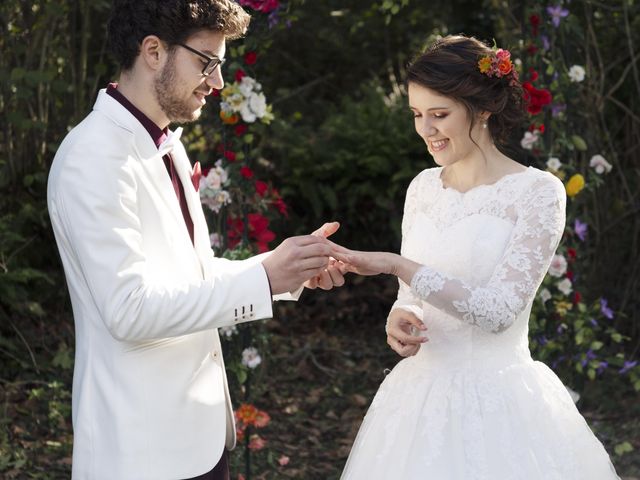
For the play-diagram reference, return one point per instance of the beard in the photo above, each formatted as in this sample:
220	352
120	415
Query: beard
174	106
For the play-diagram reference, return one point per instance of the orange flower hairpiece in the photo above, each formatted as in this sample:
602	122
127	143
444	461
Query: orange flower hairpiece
498	65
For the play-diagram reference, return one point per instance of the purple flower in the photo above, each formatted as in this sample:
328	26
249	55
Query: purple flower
546	45
602	367
590	356
627	366
606	311
593	322
557	13
542	340
557	109
557	361
561	328
580	229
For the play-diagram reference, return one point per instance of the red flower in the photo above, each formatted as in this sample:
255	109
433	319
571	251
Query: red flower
571	253
281	206
532	49
258	231
250	58
570	275
246	172
240	74
229	155
536	98
533	75
541	128
241	129
577	297
261	188
534	20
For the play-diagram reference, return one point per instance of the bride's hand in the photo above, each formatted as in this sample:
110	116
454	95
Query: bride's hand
400	337
366	263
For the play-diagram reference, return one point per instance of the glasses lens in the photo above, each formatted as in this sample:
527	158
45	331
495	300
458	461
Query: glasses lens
212	65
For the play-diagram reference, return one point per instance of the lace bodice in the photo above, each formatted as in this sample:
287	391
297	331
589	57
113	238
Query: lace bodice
484	252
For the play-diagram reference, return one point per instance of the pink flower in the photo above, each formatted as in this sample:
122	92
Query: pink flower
283	460
256	442
503	54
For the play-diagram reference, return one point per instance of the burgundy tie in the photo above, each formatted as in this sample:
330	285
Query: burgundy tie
177	187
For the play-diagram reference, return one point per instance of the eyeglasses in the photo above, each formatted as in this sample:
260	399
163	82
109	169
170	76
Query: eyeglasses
212	62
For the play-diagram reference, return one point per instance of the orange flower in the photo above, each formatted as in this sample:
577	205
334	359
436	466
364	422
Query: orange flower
229	118
504	67
484	64
246	414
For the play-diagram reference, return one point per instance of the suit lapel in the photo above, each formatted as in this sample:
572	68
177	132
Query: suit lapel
200	232
153	171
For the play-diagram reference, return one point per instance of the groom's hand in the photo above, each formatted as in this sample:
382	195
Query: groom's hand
296	260
333	275
399	332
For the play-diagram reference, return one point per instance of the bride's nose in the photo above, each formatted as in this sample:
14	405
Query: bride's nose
426	129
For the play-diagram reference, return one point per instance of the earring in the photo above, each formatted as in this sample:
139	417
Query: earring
484	125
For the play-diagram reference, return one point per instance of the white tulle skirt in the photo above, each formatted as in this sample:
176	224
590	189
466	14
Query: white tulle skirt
516	422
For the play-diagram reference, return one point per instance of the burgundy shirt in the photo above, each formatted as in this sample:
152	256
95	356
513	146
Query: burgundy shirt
158	135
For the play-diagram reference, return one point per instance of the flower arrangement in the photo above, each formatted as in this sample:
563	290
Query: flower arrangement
571	328
498	65
244	99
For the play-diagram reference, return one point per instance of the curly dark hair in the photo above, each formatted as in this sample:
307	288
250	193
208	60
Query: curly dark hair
450	67
173	21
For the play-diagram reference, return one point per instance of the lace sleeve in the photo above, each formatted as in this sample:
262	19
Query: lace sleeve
493	307
407	300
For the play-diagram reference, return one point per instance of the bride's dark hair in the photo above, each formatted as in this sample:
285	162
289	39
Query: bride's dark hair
450	68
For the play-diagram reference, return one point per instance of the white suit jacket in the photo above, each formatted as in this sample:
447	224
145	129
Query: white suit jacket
150	396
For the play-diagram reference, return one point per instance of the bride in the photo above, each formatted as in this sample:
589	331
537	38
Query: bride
479	232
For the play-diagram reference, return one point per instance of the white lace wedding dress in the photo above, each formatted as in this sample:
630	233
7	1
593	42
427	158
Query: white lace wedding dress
472	404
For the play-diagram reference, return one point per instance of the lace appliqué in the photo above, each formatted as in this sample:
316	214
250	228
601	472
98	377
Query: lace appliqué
426	281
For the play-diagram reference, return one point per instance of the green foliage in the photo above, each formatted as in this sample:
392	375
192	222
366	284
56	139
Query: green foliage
354	167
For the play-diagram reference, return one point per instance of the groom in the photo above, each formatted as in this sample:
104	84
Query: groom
150	396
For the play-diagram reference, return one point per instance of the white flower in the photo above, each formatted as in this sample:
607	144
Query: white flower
600	165
529	139
247	86
258	104
215	199
228	331
576	73
216	242
248	115
558	266
544	295
565	286
251	358
554	164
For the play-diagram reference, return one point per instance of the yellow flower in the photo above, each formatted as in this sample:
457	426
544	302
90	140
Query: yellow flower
484	64
575	185
563	307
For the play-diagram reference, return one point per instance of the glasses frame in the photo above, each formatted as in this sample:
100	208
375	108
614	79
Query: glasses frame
212	62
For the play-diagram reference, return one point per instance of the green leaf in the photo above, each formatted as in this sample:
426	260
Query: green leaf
579	142
622	448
